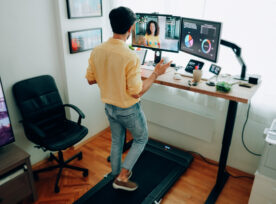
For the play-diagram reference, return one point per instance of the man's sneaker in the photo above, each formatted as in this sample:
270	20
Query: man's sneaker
129	174
127	186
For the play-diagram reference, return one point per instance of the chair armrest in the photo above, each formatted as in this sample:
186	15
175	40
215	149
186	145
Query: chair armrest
81	114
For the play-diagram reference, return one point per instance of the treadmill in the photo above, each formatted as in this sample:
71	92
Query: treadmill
155	172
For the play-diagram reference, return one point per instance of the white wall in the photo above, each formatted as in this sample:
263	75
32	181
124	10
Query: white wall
79	92
29	47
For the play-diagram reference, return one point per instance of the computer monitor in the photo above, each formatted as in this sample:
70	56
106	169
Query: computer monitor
200	38
6	133
156	31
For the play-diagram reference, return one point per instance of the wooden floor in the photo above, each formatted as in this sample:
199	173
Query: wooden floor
192	188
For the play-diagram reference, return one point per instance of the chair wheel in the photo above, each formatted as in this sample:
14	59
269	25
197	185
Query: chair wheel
85	173
56	189
36	176
80	156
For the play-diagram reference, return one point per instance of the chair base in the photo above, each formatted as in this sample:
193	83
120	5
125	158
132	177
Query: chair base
61	164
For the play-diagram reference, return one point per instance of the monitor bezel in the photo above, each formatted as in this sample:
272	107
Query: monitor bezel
204	21
159	49
5	101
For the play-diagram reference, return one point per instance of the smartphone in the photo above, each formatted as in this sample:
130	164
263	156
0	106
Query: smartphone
215	69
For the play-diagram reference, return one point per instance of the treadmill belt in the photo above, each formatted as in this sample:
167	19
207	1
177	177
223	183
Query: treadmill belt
153	173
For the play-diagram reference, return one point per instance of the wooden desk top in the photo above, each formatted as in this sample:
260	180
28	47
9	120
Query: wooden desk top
11	156
237	93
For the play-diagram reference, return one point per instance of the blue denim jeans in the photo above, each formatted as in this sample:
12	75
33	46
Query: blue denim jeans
120	119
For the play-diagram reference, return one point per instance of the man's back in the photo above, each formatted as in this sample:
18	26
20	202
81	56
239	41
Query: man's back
117	71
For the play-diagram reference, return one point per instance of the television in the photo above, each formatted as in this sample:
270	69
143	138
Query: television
200	38
157	32
6	133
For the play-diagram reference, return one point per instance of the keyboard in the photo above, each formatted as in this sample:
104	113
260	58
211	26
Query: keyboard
152	68
206	74
149	67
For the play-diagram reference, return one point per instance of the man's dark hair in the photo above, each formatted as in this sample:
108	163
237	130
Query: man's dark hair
121	19
156	28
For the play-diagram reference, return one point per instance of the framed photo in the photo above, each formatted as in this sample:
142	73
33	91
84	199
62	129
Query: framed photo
84	8
82	40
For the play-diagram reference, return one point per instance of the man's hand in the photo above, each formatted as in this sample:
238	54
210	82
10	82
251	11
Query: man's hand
91	82
161	68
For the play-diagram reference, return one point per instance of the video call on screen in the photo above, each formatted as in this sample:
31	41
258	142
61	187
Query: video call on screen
200	38
169	32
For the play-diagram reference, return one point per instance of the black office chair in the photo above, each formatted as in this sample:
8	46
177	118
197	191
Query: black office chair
45	122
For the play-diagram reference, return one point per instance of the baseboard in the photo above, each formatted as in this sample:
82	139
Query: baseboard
40	163
80	144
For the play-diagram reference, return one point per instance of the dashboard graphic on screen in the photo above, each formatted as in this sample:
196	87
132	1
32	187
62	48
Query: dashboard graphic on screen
200	38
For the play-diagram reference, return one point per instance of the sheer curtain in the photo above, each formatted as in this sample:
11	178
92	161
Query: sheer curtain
249	24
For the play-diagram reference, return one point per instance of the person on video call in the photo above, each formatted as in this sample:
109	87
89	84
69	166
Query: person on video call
152	35
116	70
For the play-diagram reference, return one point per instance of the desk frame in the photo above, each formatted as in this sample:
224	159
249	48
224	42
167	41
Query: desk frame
237	94
222	175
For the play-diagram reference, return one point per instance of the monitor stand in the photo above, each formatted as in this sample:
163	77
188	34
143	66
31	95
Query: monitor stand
237	50
156	60
243	75
157	56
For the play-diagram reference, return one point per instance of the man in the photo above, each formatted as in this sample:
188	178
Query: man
116	70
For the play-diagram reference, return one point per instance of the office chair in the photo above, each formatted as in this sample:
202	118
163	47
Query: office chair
45	123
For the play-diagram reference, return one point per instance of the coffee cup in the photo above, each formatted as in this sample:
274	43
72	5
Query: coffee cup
197	74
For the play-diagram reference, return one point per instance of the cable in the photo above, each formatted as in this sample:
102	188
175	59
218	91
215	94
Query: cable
216	164
243	133
203	158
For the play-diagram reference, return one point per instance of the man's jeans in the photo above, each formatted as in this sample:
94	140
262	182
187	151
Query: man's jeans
120	119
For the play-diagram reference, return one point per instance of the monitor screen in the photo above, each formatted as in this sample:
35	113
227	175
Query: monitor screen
200	38
157	32
6	133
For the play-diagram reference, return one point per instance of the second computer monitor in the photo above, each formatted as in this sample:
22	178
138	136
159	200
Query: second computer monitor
157	32
200	38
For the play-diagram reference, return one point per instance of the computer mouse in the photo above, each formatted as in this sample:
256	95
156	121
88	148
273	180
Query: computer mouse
177	76
173	65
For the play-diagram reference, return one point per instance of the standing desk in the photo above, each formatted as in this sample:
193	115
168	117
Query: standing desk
237	94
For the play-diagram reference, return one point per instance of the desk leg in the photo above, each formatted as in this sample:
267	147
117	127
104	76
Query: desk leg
222	175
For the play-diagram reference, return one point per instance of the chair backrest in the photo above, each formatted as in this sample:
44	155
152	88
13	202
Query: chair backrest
38	100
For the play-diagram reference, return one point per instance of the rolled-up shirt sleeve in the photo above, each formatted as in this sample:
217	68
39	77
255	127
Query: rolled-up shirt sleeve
90	75
133	78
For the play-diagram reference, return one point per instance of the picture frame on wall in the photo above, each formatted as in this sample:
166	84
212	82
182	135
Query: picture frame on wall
83	40
84	8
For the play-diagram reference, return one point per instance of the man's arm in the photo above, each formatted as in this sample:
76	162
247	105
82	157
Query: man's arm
90	73
159	69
